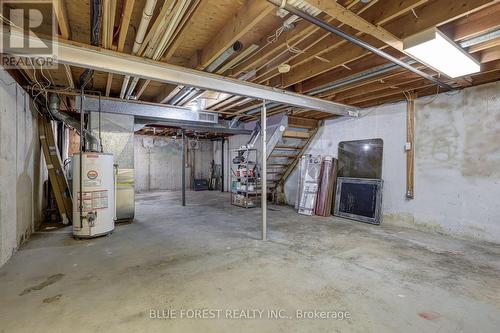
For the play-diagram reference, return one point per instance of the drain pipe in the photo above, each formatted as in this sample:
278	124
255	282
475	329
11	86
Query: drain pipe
236	47
358	42
147	13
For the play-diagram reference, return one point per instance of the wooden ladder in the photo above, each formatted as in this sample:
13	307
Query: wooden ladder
57	177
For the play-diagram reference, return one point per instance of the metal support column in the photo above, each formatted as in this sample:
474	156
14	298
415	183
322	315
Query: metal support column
222	165
263	123
183	169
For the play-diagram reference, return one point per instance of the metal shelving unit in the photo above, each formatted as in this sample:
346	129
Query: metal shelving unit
245	178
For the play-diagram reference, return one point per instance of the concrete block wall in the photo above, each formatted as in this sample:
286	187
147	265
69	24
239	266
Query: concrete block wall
21	168
457	161
158	163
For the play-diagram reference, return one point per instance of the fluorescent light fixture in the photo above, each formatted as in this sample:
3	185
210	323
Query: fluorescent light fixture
434	49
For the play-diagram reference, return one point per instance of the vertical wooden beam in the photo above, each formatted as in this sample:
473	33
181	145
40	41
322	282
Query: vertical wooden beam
410	146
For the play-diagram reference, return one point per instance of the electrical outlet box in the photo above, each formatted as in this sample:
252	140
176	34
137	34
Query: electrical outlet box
408	146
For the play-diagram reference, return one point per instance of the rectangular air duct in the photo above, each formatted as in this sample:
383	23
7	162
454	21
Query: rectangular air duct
145	110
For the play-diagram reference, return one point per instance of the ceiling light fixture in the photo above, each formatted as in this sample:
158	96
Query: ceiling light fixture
436	50
284	68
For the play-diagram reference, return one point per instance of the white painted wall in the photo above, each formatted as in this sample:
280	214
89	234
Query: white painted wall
21	172
457	167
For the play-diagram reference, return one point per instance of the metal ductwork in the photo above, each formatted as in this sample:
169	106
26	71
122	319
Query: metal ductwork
146	111
54	109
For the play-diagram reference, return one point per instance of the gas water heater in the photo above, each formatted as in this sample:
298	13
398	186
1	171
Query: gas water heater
96	183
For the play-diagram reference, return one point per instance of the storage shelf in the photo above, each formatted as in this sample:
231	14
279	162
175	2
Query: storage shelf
247	192
242	197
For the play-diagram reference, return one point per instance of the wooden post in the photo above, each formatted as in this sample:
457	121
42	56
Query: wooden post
410	146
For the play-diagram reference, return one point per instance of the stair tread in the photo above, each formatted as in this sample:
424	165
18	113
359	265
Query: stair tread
301	122
284	147
284	155
296	134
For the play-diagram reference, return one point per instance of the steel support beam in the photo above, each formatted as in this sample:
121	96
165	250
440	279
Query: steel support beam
222	165
263	122
86	56
146	111
183	146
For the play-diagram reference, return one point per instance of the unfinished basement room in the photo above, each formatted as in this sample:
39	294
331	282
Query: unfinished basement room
250	166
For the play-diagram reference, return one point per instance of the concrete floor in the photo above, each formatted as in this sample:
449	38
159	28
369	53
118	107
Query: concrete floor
208	256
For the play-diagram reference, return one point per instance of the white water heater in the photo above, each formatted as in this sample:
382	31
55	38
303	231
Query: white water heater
98	195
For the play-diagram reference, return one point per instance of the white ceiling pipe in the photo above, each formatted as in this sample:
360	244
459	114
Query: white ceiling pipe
174	22
131	88
157	51
124	86
147	13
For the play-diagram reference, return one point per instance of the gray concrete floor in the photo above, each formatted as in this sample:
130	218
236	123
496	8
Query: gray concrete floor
208	256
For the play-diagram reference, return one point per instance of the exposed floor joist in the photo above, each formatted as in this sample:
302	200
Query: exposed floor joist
85	56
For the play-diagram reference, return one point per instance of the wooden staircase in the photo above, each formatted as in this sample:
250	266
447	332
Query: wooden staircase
289	148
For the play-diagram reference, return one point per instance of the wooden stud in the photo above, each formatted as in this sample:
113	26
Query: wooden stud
69	76
128	7
109	81
410	148
62	18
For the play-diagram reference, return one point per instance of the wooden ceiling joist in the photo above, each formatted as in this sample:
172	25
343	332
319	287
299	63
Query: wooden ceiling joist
381	13
474	24
317	58
62	18
491	54
85	56
430	15
250	14
312	46
355	21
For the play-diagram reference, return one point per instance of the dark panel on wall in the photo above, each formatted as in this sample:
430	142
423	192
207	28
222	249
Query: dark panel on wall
359	199
361	158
